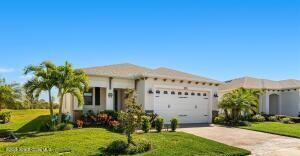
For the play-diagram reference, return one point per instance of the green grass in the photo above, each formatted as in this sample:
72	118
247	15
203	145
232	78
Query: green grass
291	130
90	141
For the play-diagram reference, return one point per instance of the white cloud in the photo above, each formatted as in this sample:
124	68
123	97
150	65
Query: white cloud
6	70
24	78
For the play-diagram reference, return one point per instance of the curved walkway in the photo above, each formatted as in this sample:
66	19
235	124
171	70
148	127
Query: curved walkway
257	142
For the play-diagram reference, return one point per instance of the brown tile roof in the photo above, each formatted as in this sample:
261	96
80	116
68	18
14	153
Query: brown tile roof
131	71
250	82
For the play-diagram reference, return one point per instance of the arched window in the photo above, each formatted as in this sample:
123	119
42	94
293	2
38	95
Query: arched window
172	92
179	93
186	93
157	92
192	93
204	94
199	94
165	92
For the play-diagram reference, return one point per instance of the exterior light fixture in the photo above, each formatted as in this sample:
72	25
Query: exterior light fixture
150	91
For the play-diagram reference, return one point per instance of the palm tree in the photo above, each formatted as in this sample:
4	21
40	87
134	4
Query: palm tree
9	93
238	101
70	81
44	79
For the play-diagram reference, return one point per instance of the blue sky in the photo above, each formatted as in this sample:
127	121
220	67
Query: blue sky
216	38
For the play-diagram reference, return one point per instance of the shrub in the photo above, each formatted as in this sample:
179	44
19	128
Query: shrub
146	125
139	146
272	118
5	117
68	126
119	128
116	147
120	147
219	119
244	123
159	124
279	117
45	127
287	121
111	113
60	126
295	119
113	124
153	118
258	118
79	123
174	124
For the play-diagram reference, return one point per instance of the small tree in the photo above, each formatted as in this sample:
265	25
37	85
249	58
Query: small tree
10	94
130	118
70	81
44	79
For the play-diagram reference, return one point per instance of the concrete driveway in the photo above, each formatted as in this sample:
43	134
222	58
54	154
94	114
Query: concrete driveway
258	143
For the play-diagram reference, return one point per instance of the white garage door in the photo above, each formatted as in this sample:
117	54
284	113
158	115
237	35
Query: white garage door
187	106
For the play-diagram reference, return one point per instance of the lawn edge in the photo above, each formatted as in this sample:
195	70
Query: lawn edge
286	135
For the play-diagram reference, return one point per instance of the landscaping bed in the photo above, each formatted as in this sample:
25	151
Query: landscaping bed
92	141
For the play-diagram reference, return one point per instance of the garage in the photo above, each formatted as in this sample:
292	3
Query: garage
187	106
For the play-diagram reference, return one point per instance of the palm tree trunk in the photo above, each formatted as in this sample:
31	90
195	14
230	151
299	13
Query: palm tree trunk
50	102
61	98
0	107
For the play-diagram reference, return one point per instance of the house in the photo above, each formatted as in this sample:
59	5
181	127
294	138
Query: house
167	92
278	97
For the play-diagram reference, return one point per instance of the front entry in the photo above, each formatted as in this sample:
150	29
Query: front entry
118	99
115	100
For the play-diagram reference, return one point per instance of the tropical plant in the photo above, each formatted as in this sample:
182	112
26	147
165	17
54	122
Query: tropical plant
70	81
130	118
239	101
44	79
9	93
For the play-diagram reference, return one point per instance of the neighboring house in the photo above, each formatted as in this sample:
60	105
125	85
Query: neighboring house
169	93
279	97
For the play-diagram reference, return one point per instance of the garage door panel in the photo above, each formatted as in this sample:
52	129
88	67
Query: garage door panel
186	108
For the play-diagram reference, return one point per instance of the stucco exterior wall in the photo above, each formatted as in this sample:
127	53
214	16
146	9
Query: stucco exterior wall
290	103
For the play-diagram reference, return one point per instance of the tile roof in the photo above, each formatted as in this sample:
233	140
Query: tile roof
131	71
250	82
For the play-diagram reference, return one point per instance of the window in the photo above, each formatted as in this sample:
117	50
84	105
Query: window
157	92
199	94
88	97
172	92
186	93
192	93
165	92
204	94
179	93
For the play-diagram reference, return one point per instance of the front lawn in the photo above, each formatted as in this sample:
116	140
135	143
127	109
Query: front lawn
90	141
292	130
